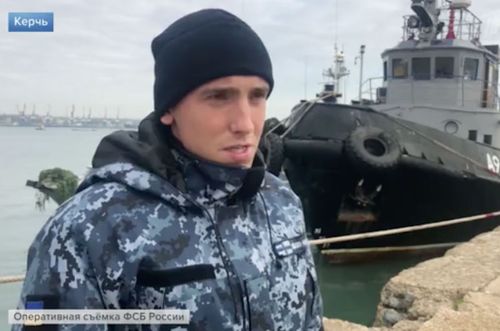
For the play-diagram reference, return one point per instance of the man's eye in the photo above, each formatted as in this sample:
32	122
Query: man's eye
258	95
220	95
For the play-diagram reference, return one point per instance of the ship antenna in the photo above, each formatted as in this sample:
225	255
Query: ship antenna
305	77
336	21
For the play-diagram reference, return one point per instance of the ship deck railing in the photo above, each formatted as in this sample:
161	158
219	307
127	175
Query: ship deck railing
467	26
370	86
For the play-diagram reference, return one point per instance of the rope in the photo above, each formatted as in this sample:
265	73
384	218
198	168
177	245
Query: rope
434	141
351	237
11	279
376	234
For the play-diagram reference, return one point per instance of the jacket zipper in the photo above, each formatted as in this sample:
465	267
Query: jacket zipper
230	267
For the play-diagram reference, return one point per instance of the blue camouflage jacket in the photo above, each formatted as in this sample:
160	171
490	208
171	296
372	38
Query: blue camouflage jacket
135	238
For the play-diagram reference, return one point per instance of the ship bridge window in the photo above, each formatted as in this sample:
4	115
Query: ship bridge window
385	71
473	135
487	139
329	87
399	68
470	68
421	68
444	67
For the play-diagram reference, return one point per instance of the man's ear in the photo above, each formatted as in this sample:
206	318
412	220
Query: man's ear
167	118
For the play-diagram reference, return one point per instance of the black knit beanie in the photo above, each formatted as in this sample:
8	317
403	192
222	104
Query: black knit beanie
203	46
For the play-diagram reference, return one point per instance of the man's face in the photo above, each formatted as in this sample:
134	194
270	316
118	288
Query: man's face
222	120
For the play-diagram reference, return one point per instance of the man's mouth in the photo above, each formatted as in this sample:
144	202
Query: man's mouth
241	154
237	148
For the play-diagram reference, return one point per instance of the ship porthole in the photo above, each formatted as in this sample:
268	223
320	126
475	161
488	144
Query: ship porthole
451	127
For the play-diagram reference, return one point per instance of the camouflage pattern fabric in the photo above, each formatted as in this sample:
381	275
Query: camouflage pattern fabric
129	239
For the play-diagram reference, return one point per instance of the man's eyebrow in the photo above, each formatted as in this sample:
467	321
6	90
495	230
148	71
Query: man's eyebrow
210	90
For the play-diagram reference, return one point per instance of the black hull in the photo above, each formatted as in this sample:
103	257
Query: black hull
438	177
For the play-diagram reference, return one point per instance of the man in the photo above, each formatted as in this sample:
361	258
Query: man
181	214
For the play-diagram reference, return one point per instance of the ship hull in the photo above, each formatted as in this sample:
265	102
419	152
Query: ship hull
434	177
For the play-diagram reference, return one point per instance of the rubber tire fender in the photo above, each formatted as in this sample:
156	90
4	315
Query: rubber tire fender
273	151
372	149
273	123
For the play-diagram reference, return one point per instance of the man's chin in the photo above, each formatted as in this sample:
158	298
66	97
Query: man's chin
245	165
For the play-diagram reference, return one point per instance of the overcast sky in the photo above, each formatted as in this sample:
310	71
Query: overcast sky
99	55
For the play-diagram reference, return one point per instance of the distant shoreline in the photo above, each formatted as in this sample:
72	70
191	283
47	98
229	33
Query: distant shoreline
42	122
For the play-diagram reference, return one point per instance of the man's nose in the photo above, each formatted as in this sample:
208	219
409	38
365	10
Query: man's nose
241	119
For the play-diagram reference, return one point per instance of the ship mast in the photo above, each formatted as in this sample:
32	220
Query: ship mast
332	77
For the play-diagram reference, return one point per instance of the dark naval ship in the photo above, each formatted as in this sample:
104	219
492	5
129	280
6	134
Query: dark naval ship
426	149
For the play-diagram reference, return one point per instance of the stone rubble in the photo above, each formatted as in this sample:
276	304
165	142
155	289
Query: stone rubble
459	291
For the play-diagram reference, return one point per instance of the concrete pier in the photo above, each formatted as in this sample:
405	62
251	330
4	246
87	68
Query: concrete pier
458	291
